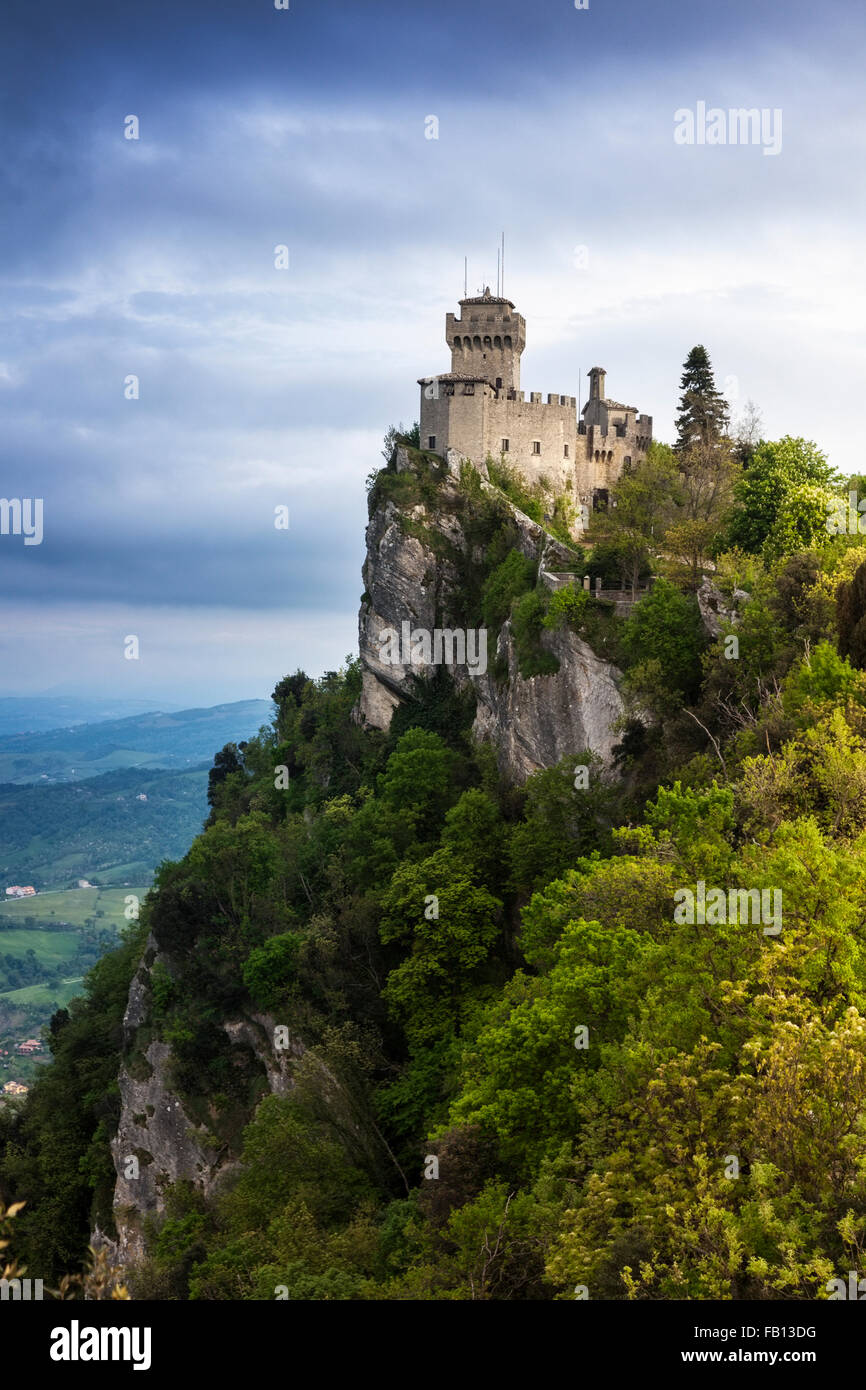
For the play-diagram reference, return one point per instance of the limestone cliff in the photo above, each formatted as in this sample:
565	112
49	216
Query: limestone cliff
418	553
157	1141
425	556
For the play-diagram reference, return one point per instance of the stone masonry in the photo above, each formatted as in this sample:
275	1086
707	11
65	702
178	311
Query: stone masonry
479	410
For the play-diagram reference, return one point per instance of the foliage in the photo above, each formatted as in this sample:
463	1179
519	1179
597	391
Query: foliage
527	623
703	413
767	494
509	580
499	979
851	618
665	627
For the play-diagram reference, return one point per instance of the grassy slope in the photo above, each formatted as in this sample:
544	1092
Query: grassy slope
74	906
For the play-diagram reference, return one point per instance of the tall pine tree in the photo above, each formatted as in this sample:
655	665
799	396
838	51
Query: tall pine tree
703	412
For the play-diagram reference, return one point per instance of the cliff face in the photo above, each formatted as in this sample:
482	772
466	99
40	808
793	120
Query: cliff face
424	551
157	1141
416	554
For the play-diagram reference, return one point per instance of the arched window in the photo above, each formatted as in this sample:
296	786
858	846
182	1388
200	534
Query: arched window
596	456
508	340
476	341
458	343
487	342
467	344
497	341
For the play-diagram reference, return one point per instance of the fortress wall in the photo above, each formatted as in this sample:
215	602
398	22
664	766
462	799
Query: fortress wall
486	341
523	422
604	471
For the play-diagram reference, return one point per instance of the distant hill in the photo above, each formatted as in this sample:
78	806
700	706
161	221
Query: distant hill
151	739
100	829
36	713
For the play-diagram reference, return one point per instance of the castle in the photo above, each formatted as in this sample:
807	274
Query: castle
479	410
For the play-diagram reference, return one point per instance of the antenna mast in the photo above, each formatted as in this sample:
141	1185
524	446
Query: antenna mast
465	277
503	265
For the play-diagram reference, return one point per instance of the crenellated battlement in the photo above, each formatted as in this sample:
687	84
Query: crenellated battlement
479	410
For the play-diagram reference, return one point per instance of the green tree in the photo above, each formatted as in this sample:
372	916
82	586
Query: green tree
775	472
567	813
227	761
703	412
270	970
851	618
666	627
417	780
801	521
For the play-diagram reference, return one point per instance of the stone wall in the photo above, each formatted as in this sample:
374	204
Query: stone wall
468	411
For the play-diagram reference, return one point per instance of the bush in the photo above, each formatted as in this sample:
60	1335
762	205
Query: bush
513	577
572	605
517	490
527	623
666	627
271	970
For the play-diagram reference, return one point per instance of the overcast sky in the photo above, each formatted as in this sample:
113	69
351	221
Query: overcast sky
261	387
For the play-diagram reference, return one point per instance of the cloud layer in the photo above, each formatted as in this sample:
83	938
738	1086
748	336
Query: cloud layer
260	387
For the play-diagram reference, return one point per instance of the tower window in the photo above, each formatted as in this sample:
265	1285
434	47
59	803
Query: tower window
499	383
431	441
536	446
565	451
506	445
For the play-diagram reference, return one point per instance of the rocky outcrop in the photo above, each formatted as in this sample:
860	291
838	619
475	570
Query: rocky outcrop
157	1142
415	554
534	723
715	609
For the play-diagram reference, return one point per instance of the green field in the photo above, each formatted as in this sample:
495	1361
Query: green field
73	905
62	956
51	948
48	996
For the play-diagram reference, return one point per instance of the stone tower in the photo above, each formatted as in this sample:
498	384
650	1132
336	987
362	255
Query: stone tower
479	411
486	341
596	383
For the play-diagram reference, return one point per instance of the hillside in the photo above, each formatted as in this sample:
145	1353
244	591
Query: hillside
39	713
115	828
424	1016
147	740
